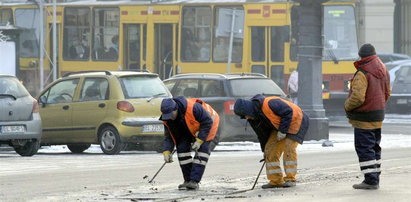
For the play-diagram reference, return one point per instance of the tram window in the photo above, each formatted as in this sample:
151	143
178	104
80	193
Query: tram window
30	36
279	35
6	16
258	69
340	37
106	34
196	35
76	42
258	44
223	21
132	44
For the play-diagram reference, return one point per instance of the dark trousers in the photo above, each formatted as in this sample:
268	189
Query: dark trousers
367	146
193	169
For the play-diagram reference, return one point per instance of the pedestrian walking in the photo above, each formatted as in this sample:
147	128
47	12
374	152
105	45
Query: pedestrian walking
365	105
190	124
280	126
293	86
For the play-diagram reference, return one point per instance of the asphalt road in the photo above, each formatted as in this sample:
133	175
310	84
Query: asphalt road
322	176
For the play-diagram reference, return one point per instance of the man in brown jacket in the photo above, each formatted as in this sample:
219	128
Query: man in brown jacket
365	105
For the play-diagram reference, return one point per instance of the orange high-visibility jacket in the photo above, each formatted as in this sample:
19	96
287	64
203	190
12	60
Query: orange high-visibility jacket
193	125
297	115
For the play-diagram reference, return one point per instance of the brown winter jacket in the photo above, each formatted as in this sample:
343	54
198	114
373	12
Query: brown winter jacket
368	95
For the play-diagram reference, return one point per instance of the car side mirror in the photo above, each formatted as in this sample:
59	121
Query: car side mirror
43	101
400	79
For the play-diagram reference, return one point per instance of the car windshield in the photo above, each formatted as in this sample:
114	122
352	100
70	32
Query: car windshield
12	86
143	87
404	75
251	87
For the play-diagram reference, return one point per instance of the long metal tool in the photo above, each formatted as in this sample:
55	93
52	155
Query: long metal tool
155	175
258	176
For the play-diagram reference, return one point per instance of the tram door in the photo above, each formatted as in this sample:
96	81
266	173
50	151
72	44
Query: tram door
163	51
134	42
268	50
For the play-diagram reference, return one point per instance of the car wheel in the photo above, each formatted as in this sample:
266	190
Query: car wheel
78	148
28	149
110	141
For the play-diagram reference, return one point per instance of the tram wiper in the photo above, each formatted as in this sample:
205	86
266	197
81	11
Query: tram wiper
155	96
8	95
332	56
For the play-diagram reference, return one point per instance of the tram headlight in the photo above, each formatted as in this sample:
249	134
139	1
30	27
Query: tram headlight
347	85
326	86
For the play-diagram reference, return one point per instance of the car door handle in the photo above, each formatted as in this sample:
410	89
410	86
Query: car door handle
101	105
66	107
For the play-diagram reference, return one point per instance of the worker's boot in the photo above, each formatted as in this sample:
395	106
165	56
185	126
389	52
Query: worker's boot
289	184
363	185
183	186
192	185
270	186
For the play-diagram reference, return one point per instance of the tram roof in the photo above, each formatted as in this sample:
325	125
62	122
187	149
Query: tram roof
145	2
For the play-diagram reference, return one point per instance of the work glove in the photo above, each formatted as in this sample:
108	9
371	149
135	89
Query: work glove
280	136
197	144
264	156
168	157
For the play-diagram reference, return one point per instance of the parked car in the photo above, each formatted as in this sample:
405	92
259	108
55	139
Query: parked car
390	57
20	122
111	108
394	66
400	100
221	91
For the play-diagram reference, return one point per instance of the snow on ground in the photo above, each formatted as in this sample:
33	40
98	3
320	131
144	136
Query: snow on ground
341	142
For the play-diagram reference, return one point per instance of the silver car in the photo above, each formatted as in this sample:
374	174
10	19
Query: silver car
20	122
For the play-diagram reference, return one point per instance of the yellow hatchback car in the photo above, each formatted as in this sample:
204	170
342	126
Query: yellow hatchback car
114	109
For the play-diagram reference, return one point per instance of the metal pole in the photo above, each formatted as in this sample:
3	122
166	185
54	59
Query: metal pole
41	43
230	49
54	42
310	47
155	175
258	176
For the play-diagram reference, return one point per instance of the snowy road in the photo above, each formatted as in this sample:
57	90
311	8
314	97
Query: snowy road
324	174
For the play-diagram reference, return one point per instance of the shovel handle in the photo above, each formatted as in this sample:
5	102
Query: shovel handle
155	175
261	169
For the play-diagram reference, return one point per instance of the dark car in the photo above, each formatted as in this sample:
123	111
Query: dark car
221	91
400	100
389	57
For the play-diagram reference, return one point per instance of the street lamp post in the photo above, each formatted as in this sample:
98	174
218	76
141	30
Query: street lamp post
310	46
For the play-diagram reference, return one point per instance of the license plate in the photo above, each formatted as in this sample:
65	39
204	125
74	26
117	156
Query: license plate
402	101
153	128
13	129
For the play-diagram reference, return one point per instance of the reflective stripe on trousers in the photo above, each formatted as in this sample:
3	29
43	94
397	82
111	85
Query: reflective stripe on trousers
274	149
367	146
